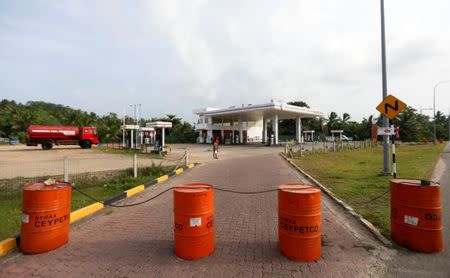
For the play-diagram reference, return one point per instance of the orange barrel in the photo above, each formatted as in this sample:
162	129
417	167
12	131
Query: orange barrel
193	206
416	214
45	217
299	226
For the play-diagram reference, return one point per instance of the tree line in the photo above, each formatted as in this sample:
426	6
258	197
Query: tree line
414	127
16	117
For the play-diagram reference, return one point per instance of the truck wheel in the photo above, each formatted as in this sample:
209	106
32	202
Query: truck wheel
86	144
47	145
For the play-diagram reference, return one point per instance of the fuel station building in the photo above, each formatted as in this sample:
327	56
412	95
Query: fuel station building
240	125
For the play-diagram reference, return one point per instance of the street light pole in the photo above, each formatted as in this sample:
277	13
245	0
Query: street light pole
386	164
434	107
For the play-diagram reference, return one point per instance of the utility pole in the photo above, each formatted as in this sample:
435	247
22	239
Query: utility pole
131	130
139	123
123	125
136	113
386	164
434	108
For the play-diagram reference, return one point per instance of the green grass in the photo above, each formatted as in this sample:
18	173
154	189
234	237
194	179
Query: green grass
11	206
354	176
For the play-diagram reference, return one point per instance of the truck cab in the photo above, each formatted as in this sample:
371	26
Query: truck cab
89	136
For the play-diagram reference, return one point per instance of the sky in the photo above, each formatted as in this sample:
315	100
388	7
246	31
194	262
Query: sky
173	56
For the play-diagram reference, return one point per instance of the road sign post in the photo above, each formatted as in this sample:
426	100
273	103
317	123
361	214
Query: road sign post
390	107
394	163
384	83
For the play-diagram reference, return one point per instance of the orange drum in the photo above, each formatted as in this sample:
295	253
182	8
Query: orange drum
193	220
299	225
45	217
416	215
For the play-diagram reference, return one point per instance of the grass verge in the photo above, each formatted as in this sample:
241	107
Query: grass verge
354	176
99	188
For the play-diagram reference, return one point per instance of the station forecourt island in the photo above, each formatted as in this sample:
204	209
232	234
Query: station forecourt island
249	123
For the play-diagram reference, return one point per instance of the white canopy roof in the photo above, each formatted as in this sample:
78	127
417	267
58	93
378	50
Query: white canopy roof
136	127
159	124
255	112
128	127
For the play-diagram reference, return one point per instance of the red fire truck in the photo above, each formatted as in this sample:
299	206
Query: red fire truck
48	136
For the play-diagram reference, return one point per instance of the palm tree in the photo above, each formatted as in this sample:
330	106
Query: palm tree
332	121
345	117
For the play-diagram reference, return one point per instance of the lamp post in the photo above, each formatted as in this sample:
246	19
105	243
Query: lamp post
434	107
386	164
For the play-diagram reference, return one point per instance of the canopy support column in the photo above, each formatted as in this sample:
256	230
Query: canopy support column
163	137
298	130
275	128
240	131
264	131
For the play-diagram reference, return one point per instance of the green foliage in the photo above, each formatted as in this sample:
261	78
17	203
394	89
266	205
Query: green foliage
287	127
414	127
299	103
181	132
16	117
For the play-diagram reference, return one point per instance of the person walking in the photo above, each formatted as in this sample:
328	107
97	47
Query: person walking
216	148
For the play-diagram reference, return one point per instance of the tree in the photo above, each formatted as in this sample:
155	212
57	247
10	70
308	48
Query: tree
410	128
333	121
287	127
299	104
16	117
441	126
345	118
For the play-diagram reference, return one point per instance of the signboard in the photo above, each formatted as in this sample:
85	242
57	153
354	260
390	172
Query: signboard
374	131
386	131
391	106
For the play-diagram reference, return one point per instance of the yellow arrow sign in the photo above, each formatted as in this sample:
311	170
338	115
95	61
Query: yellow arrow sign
391	106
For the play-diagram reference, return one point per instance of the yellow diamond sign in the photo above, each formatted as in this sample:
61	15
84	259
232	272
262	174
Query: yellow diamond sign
391	106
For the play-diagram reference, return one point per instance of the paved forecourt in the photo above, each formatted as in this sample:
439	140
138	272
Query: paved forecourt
138	241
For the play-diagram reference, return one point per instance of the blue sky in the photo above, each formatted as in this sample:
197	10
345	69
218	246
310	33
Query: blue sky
173	56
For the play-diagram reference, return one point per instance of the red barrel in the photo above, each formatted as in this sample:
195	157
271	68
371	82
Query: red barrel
416	215
45	217
193	220
299	222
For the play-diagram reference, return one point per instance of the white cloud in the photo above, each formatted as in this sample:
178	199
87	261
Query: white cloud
179	55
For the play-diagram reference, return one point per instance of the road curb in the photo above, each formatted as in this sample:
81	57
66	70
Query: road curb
343	204
10	244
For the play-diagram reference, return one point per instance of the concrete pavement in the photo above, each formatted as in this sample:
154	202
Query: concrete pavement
138	241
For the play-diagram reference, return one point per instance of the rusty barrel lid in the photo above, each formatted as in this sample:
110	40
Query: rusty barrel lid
193	187
47	185
298	188
414	182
